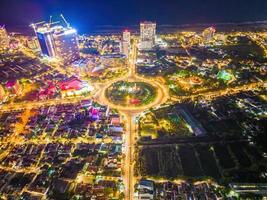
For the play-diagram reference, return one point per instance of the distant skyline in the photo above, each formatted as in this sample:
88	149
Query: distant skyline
86	14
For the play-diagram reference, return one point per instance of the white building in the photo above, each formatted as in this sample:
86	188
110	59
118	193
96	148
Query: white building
126	43
147	35
145	190
4	39
125	48
126	36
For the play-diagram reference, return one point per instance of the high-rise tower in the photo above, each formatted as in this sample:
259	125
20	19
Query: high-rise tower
126	42
147	35
58	41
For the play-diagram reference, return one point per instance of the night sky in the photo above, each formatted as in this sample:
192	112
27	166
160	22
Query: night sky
86	14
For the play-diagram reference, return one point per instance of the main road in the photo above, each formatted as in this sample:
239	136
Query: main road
129	115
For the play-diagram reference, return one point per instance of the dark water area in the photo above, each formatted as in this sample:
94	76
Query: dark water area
113	16
161	29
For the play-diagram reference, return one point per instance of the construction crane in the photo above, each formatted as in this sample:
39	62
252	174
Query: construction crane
34	25
68	24
52	23
38	23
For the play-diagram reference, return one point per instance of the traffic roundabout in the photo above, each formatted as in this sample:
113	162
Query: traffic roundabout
131	94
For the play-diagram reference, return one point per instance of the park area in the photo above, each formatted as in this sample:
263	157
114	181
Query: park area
185	82
163	123
131	93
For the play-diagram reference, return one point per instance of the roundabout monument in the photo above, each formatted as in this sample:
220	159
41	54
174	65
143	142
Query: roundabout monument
135	94
131	94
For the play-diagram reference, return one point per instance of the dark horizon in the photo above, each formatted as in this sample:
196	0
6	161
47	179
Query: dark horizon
87	15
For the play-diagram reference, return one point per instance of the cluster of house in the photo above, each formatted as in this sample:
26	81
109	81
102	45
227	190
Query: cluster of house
10	89
7	123
94	65
62	150
68	87
150	190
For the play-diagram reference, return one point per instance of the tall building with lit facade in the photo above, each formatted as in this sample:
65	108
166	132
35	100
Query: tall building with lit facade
126	36
66	44
147	35
126	42
59	42
2	93
46	41
4	39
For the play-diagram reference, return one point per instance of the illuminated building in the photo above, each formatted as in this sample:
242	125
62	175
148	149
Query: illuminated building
14	44
208	33
66	44
2	93
126	36
81	67
126	42
125	48
46	41
47	91
145	190
4	40
13	87
58	42
74	86
32	43
147	35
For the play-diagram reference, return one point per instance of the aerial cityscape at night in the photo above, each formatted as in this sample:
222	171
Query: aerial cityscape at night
131	112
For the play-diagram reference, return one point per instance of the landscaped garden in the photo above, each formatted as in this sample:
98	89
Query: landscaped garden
131	93
163	123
